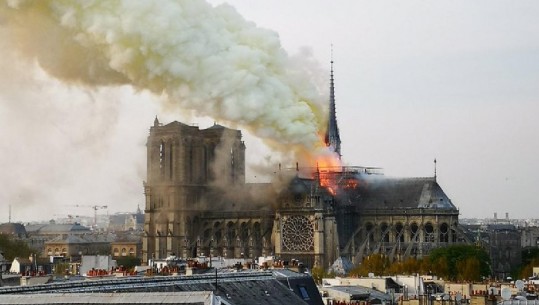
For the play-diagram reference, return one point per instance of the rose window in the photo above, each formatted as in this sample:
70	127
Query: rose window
297	234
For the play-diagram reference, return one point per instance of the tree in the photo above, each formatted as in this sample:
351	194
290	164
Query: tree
14	247
461	262
376	263
319	273
530	259
468	269
128	262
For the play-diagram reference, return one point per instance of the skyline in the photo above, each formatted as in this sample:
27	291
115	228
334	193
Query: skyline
456	82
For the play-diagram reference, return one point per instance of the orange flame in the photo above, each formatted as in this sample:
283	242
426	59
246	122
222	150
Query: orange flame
327	164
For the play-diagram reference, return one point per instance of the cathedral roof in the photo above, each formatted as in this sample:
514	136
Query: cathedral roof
382	192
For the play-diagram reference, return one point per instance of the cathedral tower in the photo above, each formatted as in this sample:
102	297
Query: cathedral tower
183	164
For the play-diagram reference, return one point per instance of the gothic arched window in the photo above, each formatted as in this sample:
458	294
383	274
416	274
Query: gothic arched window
162	153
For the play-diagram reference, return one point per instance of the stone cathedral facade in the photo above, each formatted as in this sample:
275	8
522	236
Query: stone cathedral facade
198	203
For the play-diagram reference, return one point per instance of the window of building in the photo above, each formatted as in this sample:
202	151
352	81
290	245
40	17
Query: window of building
304	293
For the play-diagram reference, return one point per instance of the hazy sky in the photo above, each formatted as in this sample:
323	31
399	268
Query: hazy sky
415	80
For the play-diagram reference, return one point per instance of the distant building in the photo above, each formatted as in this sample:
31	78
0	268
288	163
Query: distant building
4	263
30	266
127	245
16	230
502	242
529	236
52	230
356	295
38	234
126	222
96	262
504	248
74	245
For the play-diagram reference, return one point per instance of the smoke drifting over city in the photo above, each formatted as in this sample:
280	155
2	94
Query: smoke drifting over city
204	58
195	59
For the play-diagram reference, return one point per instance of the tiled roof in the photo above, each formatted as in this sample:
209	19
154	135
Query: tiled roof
234	288
381	192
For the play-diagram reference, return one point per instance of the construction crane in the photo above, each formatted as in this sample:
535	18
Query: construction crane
94	207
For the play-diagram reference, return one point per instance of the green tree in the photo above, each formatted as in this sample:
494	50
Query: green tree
530	259
377	263
319	273
14	247
461	262
440	267
128	262
468	269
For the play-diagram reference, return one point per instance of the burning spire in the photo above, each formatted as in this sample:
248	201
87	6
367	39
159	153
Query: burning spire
332	139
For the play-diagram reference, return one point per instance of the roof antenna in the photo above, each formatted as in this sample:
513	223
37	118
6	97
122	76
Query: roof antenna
434	169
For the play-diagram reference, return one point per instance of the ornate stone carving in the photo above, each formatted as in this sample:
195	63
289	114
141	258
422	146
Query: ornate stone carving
297	234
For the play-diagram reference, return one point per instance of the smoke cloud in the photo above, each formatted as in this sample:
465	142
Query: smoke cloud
203	58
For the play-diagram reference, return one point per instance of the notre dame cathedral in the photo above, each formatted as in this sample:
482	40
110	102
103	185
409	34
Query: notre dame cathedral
198	203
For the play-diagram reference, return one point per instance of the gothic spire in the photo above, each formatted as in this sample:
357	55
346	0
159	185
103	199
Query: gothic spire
332	138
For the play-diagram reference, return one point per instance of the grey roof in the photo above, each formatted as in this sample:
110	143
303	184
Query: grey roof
185	298
121	219
234	288
57	228
341	266
382	192
216	126
128	238
70	239
13	229
501	227
360	292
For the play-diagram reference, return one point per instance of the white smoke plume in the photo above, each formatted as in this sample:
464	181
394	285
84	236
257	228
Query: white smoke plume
207	59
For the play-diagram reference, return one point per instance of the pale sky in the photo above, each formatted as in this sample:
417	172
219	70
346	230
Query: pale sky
417	80
456	81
